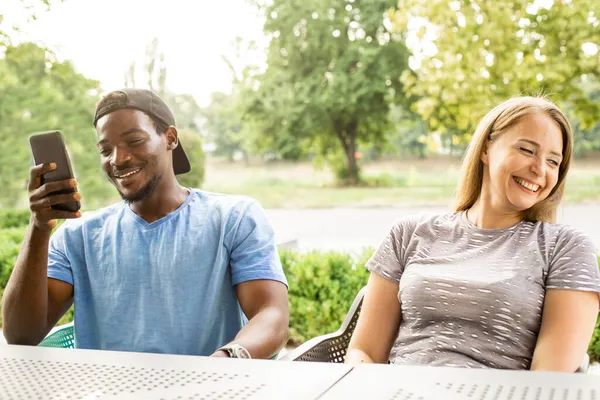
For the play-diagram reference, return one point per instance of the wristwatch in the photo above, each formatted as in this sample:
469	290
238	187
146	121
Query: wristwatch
235	351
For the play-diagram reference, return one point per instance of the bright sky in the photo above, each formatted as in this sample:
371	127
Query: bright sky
103	37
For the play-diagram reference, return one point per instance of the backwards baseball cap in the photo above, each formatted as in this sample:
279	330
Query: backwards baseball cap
148	102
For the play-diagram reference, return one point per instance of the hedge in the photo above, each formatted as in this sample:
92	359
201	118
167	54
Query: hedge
322	285
13	218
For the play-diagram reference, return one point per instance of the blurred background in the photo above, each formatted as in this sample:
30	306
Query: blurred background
339	116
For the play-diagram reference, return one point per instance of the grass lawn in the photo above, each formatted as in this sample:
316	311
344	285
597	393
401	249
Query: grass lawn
389	183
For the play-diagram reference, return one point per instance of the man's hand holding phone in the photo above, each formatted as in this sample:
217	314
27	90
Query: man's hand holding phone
43	196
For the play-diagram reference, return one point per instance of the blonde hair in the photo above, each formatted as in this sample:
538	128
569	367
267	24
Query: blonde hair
496	122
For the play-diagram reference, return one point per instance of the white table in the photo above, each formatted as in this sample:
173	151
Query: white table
436	383
50	373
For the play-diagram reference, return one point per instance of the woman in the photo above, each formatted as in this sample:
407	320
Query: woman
468	288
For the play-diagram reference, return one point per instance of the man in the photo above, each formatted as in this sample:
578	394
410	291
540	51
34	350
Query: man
167	270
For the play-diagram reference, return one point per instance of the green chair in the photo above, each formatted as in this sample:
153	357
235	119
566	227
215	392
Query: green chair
62	336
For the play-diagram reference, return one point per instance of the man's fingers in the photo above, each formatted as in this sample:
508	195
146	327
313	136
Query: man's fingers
47	202
47	188
44	213
35	174
63	198
59	214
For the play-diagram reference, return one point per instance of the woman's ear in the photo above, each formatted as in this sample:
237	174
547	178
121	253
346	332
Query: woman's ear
172	138
484	152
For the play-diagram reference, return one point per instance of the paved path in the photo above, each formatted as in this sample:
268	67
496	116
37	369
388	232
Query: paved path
350	229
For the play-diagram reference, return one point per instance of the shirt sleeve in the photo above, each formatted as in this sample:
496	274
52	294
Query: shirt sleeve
389	259
59	266
574	264
253	248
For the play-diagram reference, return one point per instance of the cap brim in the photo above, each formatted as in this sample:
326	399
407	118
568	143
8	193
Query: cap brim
181	163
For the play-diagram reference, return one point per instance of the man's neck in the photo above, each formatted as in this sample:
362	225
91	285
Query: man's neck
165	199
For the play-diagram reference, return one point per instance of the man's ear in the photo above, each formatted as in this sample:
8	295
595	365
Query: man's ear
172	137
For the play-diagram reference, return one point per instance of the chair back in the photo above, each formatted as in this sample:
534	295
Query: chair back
332	347
61	336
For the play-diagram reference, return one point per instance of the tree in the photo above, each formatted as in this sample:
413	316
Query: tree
223	124
222	118
490	50
408	133
586	140
40	93
333	69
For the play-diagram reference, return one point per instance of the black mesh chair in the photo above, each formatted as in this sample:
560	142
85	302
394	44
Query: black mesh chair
332	347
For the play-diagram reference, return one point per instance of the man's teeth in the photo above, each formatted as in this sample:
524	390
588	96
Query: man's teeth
128	174
527	185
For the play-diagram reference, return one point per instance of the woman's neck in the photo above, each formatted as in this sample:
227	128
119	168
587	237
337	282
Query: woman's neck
485	215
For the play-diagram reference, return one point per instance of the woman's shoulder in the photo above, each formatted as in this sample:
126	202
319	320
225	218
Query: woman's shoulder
559	231
562	234
561	240
413	221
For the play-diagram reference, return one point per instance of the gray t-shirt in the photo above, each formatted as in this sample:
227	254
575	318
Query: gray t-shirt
473	297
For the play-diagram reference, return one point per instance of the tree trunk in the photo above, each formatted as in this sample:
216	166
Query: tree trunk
353	175
348	139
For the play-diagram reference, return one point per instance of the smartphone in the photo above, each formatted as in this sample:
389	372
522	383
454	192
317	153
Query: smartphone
49	147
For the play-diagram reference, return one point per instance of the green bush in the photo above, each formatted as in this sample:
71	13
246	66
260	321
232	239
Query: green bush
10	242
193	148
594	348
13	218
322	288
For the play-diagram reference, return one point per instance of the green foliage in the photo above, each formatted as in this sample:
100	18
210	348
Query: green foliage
193	148
14	218
332	73
10	243
223	124
40	93
322	287
489	51
586	140
594	347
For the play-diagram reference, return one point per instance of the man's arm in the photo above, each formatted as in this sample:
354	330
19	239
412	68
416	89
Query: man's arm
32	302
259	281
568	322
265	303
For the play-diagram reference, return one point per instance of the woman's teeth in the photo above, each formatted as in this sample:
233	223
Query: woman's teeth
527	185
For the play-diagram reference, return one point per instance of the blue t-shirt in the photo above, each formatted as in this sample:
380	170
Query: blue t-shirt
166	286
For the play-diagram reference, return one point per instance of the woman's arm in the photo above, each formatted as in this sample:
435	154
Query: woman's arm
377	326
568	322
